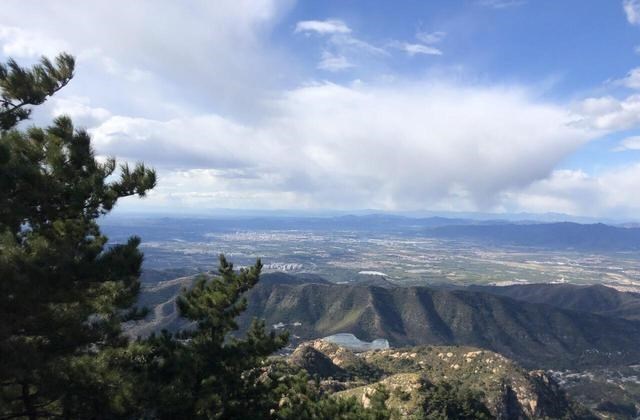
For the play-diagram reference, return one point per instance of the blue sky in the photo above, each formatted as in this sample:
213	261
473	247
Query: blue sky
457	105
575	44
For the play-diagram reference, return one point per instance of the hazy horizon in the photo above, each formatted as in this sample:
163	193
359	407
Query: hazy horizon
329	213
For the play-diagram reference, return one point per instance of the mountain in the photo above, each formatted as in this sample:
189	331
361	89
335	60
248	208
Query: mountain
501	387
151	276
545	235
596	299
550	328
160	297
535	335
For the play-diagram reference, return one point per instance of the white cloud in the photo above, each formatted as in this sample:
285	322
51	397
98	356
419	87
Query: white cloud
208	55
335	146
501	4
414	49
18	43
79	109
608	194
333	62
198	141
632	10
607	113
631	80
351	44
426	47
324	27
202	94
431	37
341	46
345	46
630	143
563	191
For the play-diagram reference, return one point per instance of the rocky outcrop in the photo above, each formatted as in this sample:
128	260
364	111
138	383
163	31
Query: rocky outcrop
316	363
507	390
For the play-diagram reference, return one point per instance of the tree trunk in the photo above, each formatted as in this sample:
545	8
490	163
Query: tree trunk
29	409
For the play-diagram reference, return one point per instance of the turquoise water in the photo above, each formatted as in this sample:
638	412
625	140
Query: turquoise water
352	342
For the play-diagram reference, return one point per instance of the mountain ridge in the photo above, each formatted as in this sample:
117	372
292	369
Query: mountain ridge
569	235
596	298
532	334
535	334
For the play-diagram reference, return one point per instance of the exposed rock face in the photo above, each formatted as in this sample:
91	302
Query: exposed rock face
316	363
338	355
507	390
405	392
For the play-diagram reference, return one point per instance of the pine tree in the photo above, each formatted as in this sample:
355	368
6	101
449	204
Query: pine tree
63	292
22	87
208	372
446	400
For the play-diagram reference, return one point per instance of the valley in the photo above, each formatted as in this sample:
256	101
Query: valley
571	311
397	249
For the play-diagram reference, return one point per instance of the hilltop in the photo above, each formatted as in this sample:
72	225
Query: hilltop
409	374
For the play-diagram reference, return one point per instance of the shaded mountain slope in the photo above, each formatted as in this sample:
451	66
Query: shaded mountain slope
533	334
597	299
285	278
160	297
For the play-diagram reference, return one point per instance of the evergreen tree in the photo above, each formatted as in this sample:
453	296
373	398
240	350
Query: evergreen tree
209	373
22	87
63	293
445	400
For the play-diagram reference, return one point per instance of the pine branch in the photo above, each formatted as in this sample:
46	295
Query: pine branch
15	107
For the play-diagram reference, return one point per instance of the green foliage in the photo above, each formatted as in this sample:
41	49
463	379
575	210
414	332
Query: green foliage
208	372
377	402
63	294
451	401
24	87
298	397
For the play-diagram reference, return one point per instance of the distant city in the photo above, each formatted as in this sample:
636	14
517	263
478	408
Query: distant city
402	250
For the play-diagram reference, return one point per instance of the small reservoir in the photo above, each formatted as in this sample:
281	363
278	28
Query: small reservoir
353	343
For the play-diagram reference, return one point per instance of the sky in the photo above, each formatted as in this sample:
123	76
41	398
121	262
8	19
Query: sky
494	106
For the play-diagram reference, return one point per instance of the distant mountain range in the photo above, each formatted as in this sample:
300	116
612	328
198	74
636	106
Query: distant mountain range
561	235
230	214
546	235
